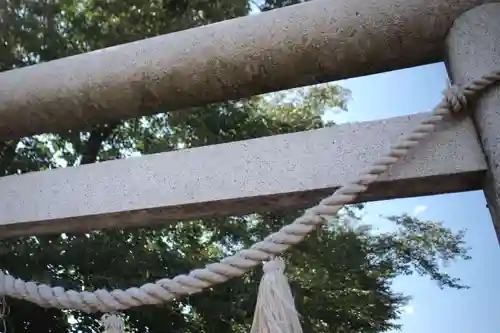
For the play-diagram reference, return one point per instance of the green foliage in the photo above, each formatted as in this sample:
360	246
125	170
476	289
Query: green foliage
341	275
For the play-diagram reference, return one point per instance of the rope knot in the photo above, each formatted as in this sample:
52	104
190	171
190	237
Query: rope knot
455	98
274	265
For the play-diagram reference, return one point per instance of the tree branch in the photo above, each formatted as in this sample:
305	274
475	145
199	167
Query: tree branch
93	145
7	155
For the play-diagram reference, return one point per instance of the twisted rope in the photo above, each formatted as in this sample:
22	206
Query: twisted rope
455	99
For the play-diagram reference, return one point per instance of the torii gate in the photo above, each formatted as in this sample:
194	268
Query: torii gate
309	43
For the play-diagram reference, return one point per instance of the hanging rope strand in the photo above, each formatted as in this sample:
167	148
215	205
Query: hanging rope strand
4	311
455	100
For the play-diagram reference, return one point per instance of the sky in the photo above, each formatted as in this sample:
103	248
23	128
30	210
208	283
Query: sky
431	309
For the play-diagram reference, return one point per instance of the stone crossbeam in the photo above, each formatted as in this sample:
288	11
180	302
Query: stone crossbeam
271	173
317	41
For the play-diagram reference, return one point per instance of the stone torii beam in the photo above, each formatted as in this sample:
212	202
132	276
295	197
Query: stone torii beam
321	40
278	172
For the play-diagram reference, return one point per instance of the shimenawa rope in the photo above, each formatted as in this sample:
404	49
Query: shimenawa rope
455	99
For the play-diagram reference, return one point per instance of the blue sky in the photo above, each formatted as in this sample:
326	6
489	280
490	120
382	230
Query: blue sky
418	90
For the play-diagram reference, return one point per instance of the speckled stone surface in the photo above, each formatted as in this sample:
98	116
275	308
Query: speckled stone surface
473	49
318	41
284	171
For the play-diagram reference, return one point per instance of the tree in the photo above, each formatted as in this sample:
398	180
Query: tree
347	290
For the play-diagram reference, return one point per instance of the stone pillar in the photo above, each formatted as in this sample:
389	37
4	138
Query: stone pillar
472	50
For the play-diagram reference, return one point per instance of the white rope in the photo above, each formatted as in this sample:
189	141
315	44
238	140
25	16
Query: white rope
455	99
4	311
275	309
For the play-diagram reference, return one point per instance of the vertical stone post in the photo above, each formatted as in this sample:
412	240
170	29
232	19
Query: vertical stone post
472	50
